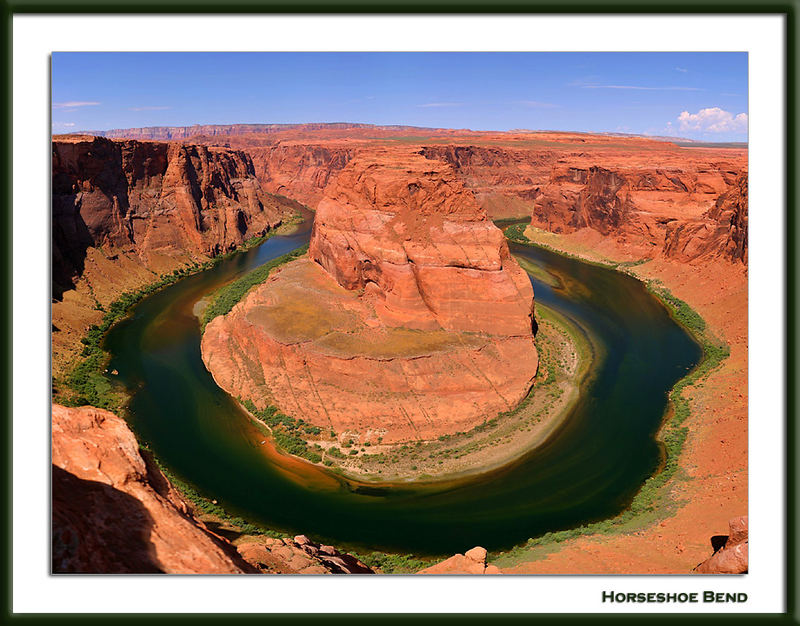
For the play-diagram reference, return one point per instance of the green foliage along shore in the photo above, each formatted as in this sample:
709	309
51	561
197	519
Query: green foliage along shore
87	382
227	297
290	434
651	502
210	507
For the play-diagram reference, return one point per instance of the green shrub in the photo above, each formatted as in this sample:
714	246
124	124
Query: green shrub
227	297
393	563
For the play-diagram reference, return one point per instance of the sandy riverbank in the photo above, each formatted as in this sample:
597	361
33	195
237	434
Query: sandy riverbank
566	355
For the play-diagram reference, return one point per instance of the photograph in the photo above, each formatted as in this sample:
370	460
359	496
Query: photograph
399	313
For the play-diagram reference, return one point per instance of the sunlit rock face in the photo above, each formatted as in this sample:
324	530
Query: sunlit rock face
408	319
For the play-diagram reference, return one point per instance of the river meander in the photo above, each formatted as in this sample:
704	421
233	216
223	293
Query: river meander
588	469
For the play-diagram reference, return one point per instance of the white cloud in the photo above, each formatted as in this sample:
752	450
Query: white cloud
74	103
67	123
440	104
148	108
713	120
681	69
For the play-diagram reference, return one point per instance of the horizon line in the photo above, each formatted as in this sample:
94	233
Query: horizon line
372	125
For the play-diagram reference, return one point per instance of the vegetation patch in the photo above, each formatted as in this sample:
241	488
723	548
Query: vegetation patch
87	383
393	563
229	295
290	434
209	507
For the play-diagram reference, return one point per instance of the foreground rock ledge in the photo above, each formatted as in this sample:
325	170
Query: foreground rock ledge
410	319
114	512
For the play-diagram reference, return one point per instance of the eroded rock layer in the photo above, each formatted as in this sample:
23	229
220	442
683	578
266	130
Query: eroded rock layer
149	198
126	212
684	211
405	230
115	512
720	232
408	320
639	190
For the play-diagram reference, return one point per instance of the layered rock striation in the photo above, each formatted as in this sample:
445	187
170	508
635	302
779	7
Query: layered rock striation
126	212
151	200
720	232
409	319
505	181
299	171
679	212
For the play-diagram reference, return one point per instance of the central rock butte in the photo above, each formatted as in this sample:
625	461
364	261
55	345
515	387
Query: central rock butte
409	318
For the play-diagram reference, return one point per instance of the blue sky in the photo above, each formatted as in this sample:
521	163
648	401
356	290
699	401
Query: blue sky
694	95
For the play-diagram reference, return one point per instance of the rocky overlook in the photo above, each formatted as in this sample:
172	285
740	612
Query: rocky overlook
114	512
408	319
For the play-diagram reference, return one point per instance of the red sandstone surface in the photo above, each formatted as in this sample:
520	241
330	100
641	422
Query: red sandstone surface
126	211
410	319
114	512
731	556
471	562
681	209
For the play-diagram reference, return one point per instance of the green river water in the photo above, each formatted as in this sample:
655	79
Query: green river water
588	469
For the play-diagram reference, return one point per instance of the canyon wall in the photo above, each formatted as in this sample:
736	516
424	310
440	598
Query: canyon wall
408	232
124	212
115	512
299	171
680	212
151	199
721	231
171	133
409	318
505	181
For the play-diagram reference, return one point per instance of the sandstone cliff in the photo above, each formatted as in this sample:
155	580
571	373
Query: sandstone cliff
114	512
505	181
682	212
124	212
720	232
150	199
410	318
299	171
407	232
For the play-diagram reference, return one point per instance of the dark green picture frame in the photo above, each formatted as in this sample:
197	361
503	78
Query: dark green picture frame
789	8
